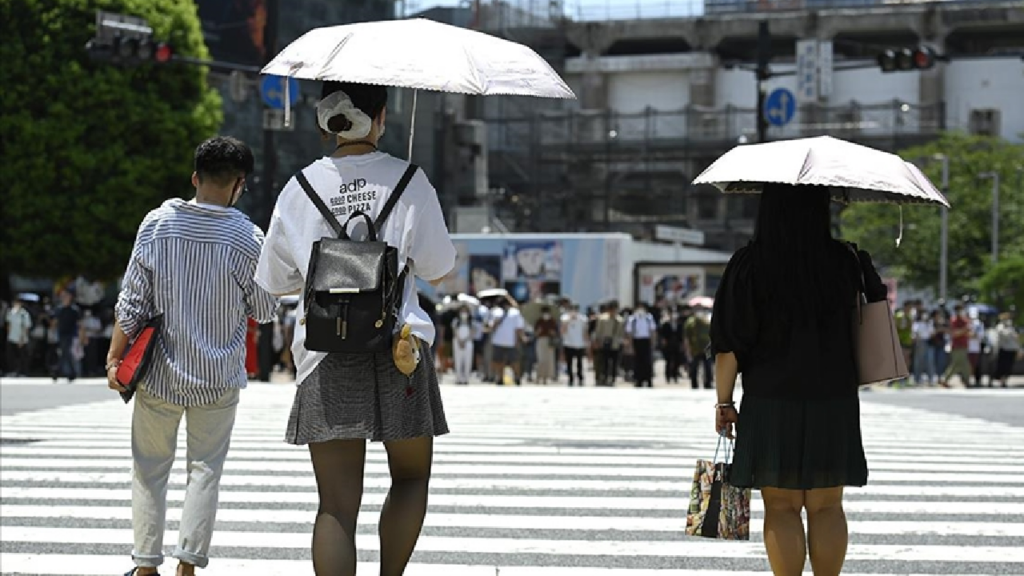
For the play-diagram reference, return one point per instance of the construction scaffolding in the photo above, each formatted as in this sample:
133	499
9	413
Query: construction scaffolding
600	170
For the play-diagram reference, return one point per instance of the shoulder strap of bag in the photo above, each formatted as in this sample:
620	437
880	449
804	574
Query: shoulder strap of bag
395	195
319	203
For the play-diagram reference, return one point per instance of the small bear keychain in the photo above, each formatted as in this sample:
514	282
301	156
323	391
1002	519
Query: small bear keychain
406	352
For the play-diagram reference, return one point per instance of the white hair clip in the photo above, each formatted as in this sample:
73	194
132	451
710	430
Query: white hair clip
339	103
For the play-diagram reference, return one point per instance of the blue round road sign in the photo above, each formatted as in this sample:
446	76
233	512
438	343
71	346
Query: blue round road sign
272	91
780	107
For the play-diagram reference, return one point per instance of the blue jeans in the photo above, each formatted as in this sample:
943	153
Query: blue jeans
66	366
924	362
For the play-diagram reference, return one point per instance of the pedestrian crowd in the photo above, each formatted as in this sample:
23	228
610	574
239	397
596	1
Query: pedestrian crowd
63	337
493	340
975	343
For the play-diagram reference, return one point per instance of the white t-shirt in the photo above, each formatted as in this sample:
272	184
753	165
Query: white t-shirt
923	329
504	333
573	331
415	227
19	321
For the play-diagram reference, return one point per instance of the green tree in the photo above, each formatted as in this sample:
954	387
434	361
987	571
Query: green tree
1003	284
915	262
89	148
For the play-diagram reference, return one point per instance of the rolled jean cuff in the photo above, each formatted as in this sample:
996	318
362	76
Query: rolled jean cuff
147	561
191	558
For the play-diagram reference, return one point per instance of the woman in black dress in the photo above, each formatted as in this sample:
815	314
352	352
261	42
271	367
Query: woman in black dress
782	318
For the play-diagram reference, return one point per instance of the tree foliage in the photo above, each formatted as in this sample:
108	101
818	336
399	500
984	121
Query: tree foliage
89	148
1003	284
916	261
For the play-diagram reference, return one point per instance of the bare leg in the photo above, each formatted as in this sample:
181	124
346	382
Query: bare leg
338	466
827	534
784	531
401	518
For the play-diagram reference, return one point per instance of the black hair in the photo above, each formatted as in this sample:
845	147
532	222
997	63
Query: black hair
799	265
370	98
223	159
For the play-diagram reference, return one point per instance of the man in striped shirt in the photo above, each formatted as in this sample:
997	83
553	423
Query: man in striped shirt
194	262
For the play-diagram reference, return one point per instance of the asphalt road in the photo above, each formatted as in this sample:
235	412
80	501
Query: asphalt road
532	481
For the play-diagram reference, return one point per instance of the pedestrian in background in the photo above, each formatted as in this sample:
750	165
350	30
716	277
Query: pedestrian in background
609	335
642	331
193	262
959	338
798	437
924	348
19	326
462	344
1008	346
343	400
575	342
697	334
546	332
68	330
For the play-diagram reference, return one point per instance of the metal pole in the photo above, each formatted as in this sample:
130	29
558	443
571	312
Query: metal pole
944	243
995	217
995	213
269	150
764	55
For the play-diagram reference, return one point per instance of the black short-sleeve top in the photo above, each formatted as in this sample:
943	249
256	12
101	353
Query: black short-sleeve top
784	357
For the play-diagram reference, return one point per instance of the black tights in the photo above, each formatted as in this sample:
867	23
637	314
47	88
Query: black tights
338	466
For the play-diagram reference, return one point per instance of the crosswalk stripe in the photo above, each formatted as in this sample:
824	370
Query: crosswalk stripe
695	548
96	565
526	486
518	521
456	453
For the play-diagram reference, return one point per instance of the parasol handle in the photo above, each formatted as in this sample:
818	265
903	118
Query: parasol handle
412	122
287	103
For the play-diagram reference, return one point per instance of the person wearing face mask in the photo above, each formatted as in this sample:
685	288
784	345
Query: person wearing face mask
546	331
462	345
193	263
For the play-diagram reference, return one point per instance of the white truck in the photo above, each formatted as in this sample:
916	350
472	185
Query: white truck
587	268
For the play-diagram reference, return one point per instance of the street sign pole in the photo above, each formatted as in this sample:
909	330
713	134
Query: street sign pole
269	151
764	54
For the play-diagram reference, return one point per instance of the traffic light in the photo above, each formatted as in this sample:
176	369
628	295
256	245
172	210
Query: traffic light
126	41
904	59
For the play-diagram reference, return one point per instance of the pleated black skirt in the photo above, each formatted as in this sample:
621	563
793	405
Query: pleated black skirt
799	444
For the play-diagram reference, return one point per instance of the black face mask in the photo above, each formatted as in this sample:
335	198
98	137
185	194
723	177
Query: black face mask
237	194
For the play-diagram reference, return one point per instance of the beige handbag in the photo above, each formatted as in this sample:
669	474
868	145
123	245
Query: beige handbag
876	344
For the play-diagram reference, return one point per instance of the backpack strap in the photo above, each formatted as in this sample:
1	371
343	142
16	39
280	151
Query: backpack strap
319	203
395	195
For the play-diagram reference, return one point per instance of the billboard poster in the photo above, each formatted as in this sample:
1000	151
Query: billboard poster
669	285
484	272
233	30
533	261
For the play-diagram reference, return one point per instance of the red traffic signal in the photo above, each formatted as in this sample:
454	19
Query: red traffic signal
163	53
903	59
130	51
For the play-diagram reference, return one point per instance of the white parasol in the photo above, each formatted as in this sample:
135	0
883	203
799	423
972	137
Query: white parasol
419	54
857	173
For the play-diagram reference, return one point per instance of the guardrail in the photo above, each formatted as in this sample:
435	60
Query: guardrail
704	125
539	13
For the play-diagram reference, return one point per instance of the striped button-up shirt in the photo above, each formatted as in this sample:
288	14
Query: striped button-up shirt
194	263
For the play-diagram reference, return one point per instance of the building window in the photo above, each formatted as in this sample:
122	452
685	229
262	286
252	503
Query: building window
985	122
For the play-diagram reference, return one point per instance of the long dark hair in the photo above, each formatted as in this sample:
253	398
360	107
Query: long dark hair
799	269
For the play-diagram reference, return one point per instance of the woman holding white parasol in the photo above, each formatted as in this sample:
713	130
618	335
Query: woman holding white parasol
345	399
782	317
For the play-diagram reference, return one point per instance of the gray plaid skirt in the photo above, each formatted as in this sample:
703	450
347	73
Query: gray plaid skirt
364	396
